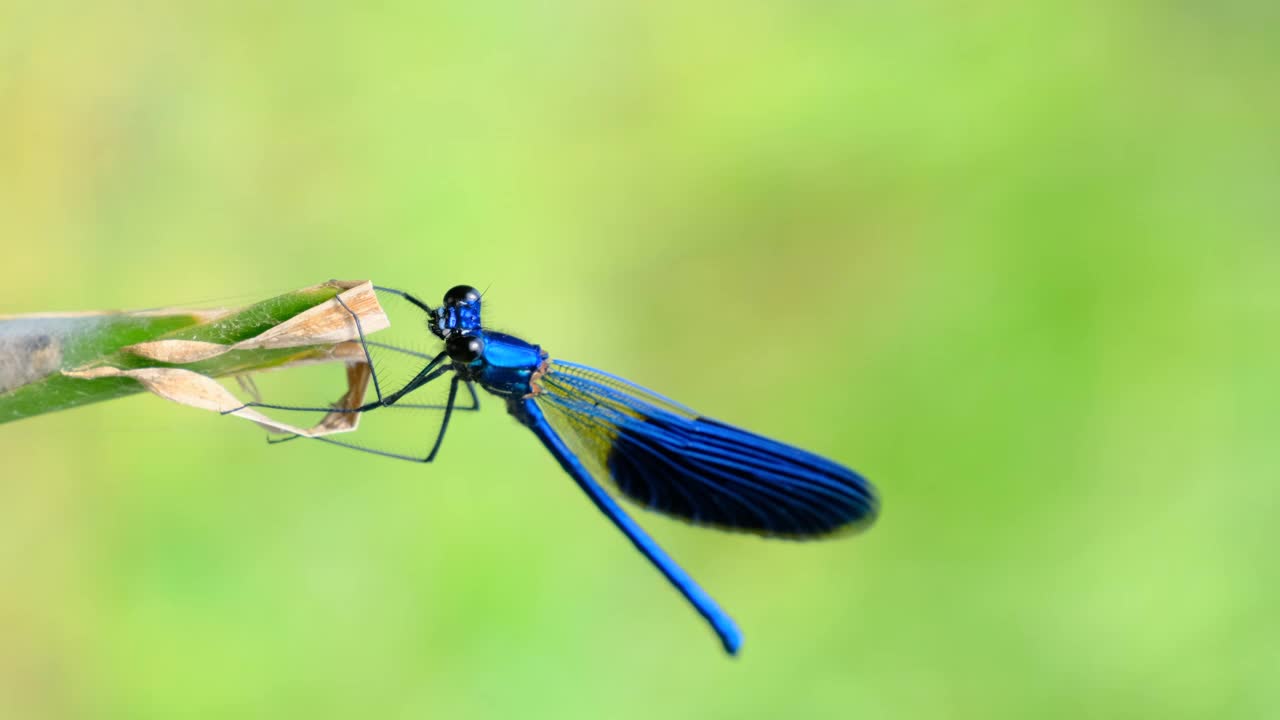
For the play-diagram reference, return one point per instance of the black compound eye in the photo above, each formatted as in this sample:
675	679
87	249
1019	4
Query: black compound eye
464	348
461	295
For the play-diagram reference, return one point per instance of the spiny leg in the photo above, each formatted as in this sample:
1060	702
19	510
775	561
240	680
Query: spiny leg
471	389
435	448
364	346
421	305
423	377
373	372
444	424
433	370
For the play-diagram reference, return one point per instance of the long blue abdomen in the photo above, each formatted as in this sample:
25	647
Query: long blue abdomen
530	414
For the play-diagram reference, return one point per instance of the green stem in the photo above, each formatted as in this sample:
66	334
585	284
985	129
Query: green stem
35	349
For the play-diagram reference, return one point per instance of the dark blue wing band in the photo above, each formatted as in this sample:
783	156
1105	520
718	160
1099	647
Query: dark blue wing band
671	460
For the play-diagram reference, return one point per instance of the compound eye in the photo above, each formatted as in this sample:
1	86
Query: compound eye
461	295
464	348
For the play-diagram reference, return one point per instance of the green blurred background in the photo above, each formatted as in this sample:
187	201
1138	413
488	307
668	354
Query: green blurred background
1014	261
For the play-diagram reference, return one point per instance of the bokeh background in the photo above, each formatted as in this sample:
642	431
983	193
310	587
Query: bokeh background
1016	262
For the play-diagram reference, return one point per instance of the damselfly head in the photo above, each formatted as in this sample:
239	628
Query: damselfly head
459	313
462	295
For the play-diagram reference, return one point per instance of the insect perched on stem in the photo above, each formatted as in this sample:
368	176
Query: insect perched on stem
654	450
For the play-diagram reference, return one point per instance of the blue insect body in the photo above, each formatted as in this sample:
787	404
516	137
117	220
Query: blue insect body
606	430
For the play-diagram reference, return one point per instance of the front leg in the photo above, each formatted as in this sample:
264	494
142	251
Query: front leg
429	457
433	370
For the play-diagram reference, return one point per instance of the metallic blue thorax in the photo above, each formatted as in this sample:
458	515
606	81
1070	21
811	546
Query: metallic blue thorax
507	366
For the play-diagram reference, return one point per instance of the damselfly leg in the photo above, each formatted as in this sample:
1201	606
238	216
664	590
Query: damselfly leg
431	371
433	367
449	406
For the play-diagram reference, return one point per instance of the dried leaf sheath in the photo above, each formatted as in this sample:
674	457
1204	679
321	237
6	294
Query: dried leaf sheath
54	362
